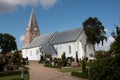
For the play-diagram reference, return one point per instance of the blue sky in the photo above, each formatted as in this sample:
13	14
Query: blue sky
57	15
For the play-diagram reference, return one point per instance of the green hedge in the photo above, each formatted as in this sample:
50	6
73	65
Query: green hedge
106	69
50	66
80	74
2	74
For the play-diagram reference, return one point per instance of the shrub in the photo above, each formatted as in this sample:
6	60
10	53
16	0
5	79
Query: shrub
2	63
69	61
64	60
106	69
84	65
12	73
80	74
63	56
51	66
16	59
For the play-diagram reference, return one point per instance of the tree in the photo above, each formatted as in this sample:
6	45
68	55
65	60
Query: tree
16	59
115	46
101	54
94	31
7	43
64	61
83	65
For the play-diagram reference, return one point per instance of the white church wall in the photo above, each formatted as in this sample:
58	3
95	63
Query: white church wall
24	53
65	47
32	53
89	47
90	51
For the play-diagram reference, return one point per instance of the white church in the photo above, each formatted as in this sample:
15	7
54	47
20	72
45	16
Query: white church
70	42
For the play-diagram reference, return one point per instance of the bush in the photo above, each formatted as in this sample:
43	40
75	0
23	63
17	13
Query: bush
84	65
16	59
106	69
63	56
64	60
69	61
12	73
10	67
50	66
80	74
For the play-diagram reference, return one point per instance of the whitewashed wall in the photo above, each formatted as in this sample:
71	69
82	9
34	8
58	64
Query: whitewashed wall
64	47
89	47
24	53
32	53
90	51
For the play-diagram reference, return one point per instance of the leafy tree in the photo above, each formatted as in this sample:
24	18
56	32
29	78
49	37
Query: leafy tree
115	46
7	43
94	31
16	59
101	54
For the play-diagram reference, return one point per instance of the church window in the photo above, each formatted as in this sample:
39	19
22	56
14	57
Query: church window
69	49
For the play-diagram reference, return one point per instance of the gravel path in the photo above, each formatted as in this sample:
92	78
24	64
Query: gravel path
39	72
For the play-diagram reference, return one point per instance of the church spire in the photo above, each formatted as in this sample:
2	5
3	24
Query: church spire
32	22
32	30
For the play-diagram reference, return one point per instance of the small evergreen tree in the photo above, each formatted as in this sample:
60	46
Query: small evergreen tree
64	61
63	56
84	65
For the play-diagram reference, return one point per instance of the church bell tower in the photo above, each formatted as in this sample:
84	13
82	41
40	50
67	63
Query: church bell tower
32	30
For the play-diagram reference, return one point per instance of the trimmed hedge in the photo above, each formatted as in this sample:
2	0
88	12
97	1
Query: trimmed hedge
80	74
106	69
2	74
50	66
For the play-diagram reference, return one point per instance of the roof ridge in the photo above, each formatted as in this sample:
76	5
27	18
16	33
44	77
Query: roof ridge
70	30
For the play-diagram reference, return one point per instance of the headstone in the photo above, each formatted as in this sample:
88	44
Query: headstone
74	65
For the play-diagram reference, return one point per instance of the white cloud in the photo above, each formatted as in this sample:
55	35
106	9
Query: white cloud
106	45
10	5
48	3
106	30
111	39
22	38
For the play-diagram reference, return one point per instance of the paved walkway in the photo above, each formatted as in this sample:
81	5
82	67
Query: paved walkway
39	72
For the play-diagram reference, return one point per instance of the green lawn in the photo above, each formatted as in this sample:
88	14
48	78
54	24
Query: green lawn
15	77
64	70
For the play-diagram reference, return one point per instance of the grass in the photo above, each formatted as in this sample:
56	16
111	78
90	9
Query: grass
64	70
15	77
